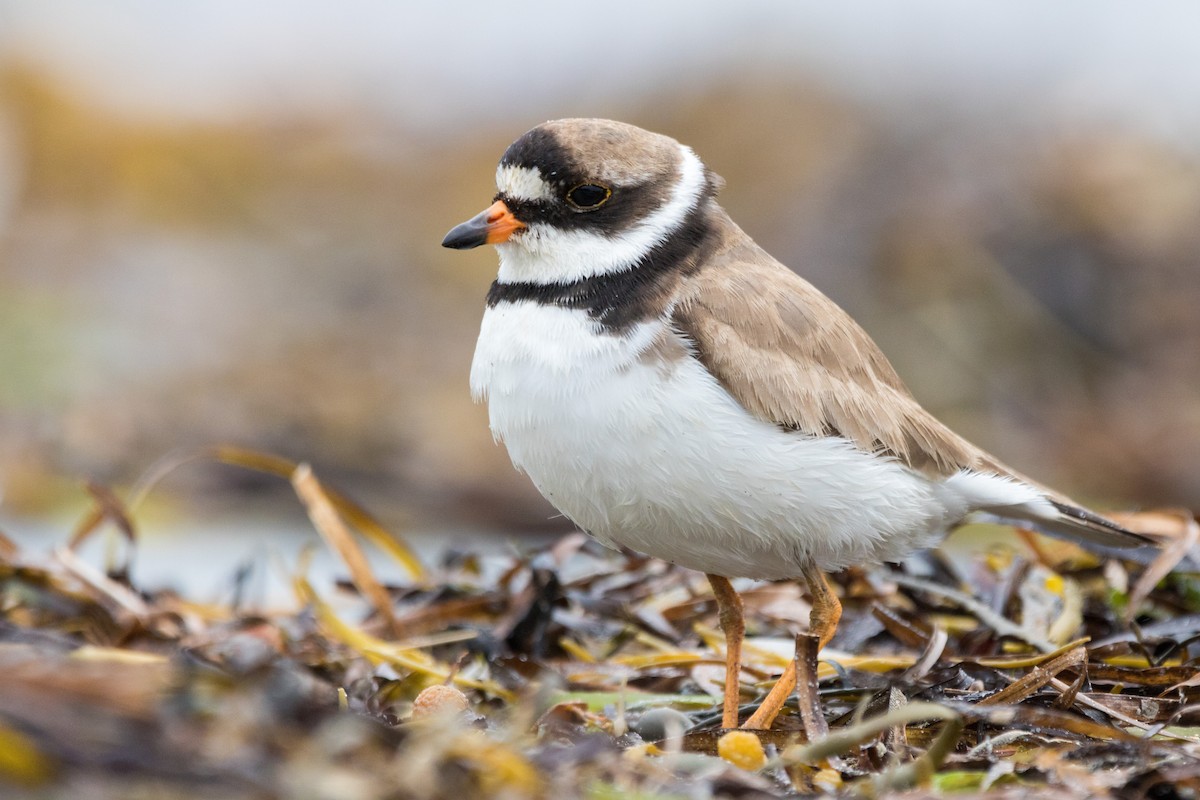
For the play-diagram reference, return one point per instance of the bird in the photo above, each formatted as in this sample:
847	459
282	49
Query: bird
673	389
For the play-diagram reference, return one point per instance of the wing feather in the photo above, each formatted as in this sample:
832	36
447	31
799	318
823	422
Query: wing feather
794	358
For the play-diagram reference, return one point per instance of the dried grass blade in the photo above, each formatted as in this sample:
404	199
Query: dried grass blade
377	534
160	469
1150	710
931	655
378	651
86	526
348	635
1023	662
106	506
333	530
1097	705
676	659
358	516
873	664
1031	716
1172	677
1163	565
842	740
117	655
576	650
272	464
1038	677
108	591
1067	699
252	459
112	509
223	453
907	629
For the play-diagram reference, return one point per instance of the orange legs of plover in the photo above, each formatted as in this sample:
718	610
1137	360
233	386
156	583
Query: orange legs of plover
733	625
822	622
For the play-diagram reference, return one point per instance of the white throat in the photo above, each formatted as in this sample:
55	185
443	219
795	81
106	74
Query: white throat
544	254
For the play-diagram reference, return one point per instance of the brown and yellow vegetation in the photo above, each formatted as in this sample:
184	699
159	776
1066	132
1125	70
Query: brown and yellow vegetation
577	672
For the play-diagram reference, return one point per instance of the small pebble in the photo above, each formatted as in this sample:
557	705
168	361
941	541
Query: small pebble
662	723
742	749
434	700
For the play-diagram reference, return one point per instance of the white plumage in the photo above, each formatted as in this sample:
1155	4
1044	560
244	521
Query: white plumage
655	455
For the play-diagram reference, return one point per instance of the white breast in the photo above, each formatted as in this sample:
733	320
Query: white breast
657	456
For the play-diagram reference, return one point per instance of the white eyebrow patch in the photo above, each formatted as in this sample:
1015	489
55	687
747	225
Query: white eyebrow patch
522	183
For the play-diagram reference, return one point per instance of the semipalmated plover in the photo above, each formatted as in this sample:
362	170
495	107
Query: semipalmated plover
674	389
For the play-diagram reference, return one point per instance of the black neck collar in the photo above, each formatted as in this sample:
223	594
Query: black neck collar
618	300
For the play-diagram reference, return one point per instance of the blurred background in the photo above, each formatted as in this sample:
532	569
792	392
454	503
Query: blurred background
220	222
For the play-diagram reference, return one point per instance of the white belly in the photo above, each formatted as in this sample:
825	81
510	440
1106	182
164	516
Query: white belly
658	457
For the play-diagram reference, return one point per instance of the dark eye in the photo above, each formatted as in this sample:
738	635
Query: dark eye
588	195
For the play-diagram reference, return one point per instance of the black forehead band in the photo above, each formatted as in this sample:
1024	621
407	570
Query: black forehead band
540	149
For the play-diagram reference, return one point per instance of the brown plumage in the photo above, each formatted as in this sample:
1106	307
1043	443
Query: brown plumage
793	357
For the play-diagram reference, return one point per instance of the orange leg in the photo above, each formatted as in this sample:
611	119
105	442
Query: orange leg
822	622
733	625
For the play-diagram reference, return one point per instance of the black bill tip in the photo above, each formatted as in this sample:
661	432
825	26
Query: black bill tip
494	225
472	233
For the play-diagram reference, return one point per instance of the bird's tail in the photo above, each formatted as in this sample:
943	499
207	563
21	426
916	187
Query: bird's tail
1065	521
1014	500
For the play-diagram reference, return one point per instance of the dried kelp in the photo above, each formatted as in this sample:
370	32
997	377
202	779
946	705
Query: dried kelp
581	672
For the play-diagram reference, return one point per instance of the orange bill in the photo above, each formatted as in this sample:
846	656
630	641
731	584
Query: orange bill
494	225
